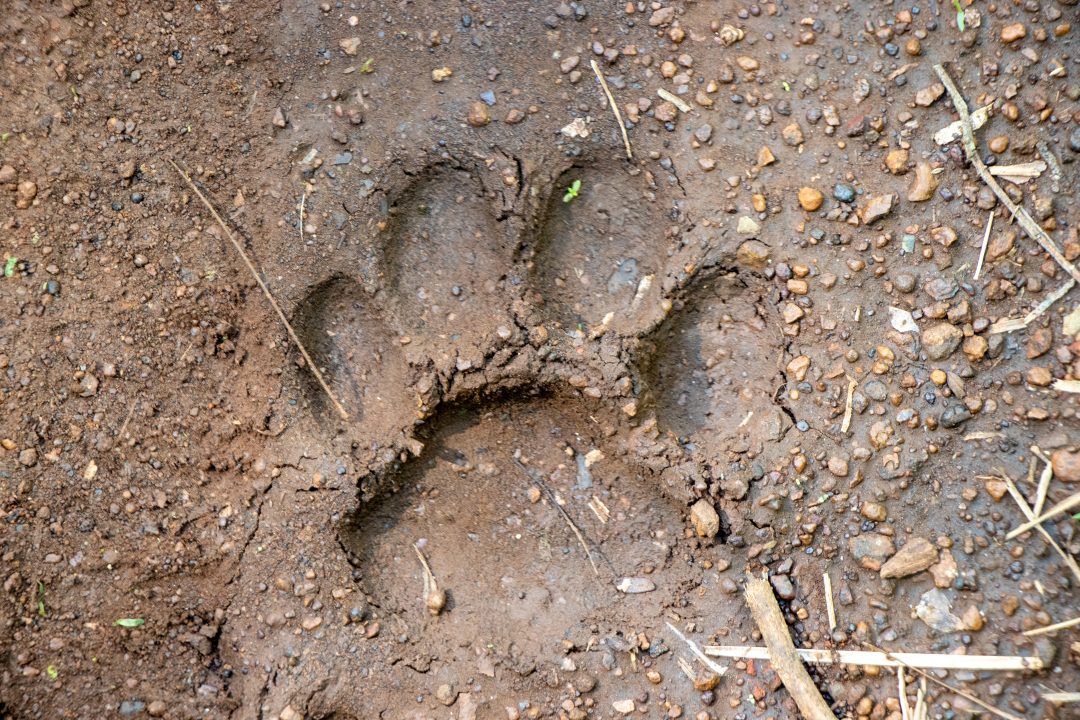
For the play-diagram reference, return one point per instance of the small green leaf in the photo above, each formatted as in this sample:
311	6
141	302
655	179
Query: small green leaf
41	599
572	191
960	18
130	622
787	86
52	672
1076	516
9	266
368	66
4	137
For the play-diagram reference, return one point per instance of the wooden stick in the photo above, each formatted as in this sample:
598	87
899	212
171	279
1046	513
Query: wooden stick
867	658
614	108
971	150
1061	697
905	712
957	691
1052	628
1070	561
774	631
266	291
1064	506
830	610
674	100
709	662
985	242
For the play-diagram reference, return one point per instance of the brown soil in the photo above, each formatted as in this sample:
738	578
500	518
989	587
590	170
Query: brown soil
503	349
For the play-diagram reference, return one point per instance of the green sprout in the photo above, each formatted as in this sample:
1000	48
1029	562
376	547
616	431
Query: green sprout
130	622
4	136
9	266
41	599
52	672
1076	516
368	66
786	85
959	15
572	192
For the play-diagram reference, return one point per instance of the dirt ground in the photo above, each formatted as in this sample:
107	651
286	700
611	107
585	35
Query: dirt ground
770	342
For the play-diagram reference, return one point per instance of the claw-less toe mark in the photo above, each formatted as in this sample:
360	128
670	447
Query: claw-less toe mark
359	356
715	361
600	251
445	259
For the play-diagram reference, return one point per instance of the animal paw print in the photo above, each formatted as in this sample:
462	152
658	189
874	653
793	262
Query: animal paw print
527	492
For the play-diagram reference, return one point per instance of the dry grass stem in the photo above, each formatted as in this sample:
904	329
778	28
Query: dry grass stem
614	109
985	243
851	385
829	607
1061	697
708	662
1006	325
266	291
957	691
1070	561
1064	506
868	658
562	511
972	151
1063	625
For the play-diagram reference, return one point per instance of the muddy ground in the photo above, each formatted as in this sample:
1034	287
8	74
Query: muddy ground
554	396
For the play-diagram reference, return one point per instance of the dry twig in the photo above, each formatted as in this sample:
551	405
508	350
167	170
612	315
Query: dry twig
950	688
1006	325
1063	625
266	291
868	658
985	242
971	150
1064	506
1070	561
614	109
785	661
709	662
829	608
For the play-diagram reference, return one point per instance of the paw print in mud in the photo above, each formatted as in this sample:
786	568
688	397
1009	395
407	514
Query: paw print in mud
541	369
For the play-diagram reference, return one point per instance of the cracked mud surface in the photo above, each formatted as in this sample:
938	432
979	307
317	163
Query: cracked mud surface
626	355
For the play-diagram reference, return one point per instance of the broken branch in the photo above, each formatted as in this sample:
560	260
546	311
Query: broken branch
782	654
1030	226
